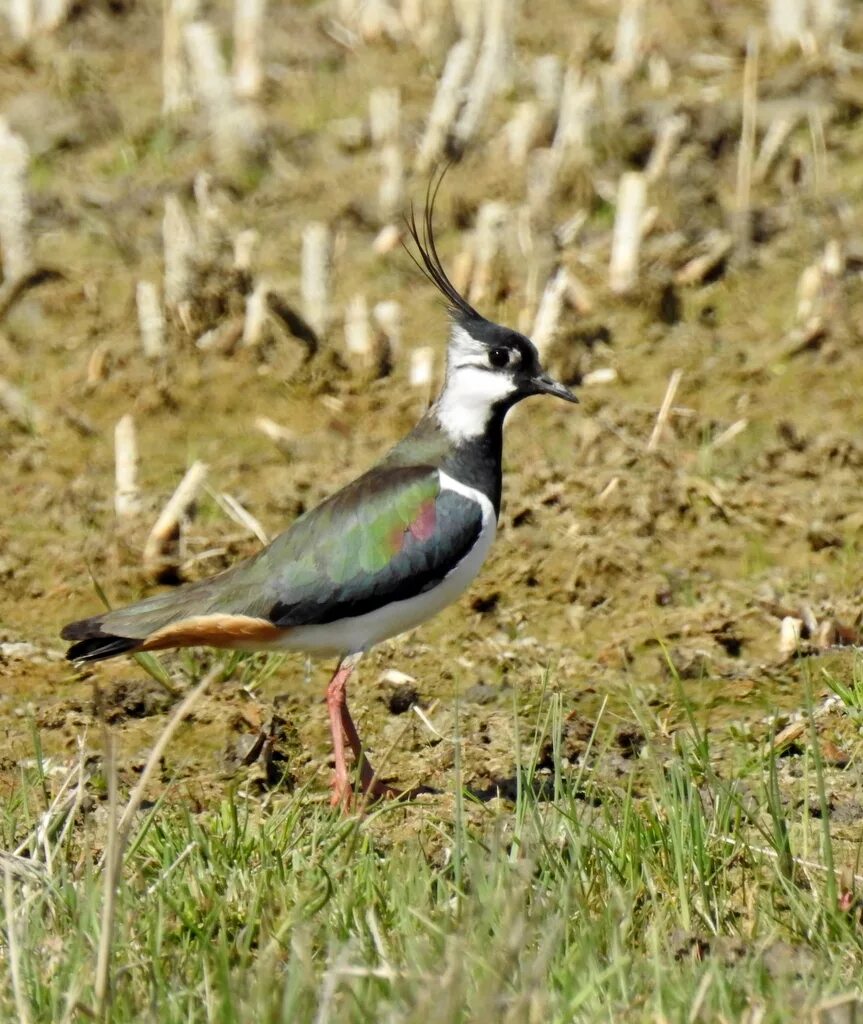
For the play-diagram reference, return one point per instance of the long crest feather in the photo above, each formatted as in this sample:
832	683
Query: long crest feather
431	266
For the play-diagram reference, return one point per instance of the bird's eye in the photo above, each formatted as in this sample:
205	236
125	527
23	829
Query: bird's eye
499	357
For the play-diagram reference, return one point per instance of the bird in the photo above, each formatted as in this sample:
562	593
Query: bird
379	557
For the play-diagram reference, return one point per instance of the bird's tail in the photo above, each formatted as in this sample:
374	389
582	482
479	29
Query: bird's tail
126	630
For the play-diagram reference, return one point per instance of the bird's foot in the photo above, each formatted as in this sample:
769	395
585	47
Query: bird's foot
371	790
342	792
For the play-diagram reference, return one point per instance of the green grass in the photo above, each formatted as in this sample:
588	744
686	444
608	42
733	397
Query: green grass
681	896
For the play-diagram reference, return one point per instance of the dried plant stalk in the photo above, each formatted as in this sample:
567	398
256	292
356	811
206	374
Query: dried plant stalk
488	244
176	94
384	116
628	227
548	82
719	245
664	410
774	139
233	129
245	245
490	74
628	40
151	322
52	14
746	148
127	498
209	229
248	36
21	17
447	101
284	440
157	556
522	131
19	407
550	308
315	276
387	317
577	107
668	138
391	190
257	311
378	19
787	22
358	337
14	204
178	240
421	370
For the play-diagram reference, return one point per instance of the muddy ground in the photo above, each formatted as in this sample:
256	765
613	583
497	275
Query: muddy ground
650	579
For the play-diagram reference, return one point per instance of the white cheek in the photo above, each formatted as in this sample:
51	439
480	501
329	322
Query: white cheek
466	404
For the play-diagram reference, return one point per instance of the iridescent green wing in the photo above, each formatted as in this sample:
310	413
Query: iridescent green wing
392	534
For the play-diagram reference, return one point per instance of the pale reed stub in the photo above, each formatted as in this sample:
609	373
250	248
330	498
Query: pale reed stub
315	276
151	322
248	41
157	550
628	226
15	238
127	497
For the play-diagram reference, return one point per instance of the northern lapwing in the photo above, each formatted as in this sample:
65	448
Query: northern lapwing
380	556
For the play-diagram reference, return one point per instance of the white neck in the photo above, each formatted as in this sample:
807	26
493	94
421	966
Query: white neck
471	390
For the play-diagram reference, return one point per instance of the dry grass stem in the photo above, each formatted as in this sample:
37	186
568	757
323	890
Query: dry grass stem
545	326
628	229
179	243
13	947
127	819
391	190
151	322
746	148
664	410
522	132
248	40
112	863
694	271
787	22
22	18
628	40
729	434
577	111
284	439
245	247
15	243
257	313
445	107
176	93
358	337
777	134
384	116
421	370
671	130
52	14
547	72
157	557
488	245
315	277
240	515
127	498
233	129
490	73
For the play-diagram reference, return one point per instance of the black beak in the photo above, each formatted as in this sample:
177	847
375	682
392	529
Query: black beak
545	385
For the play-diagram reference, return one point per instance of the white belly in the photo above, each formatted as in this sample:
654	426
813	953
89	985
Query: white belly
351	635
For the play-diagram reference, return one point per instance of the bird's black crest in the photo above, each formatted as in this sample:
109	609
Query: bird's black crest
431	265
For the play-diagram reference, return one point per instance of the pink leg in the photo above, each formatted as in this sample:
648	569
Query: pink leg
337	708
342	728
